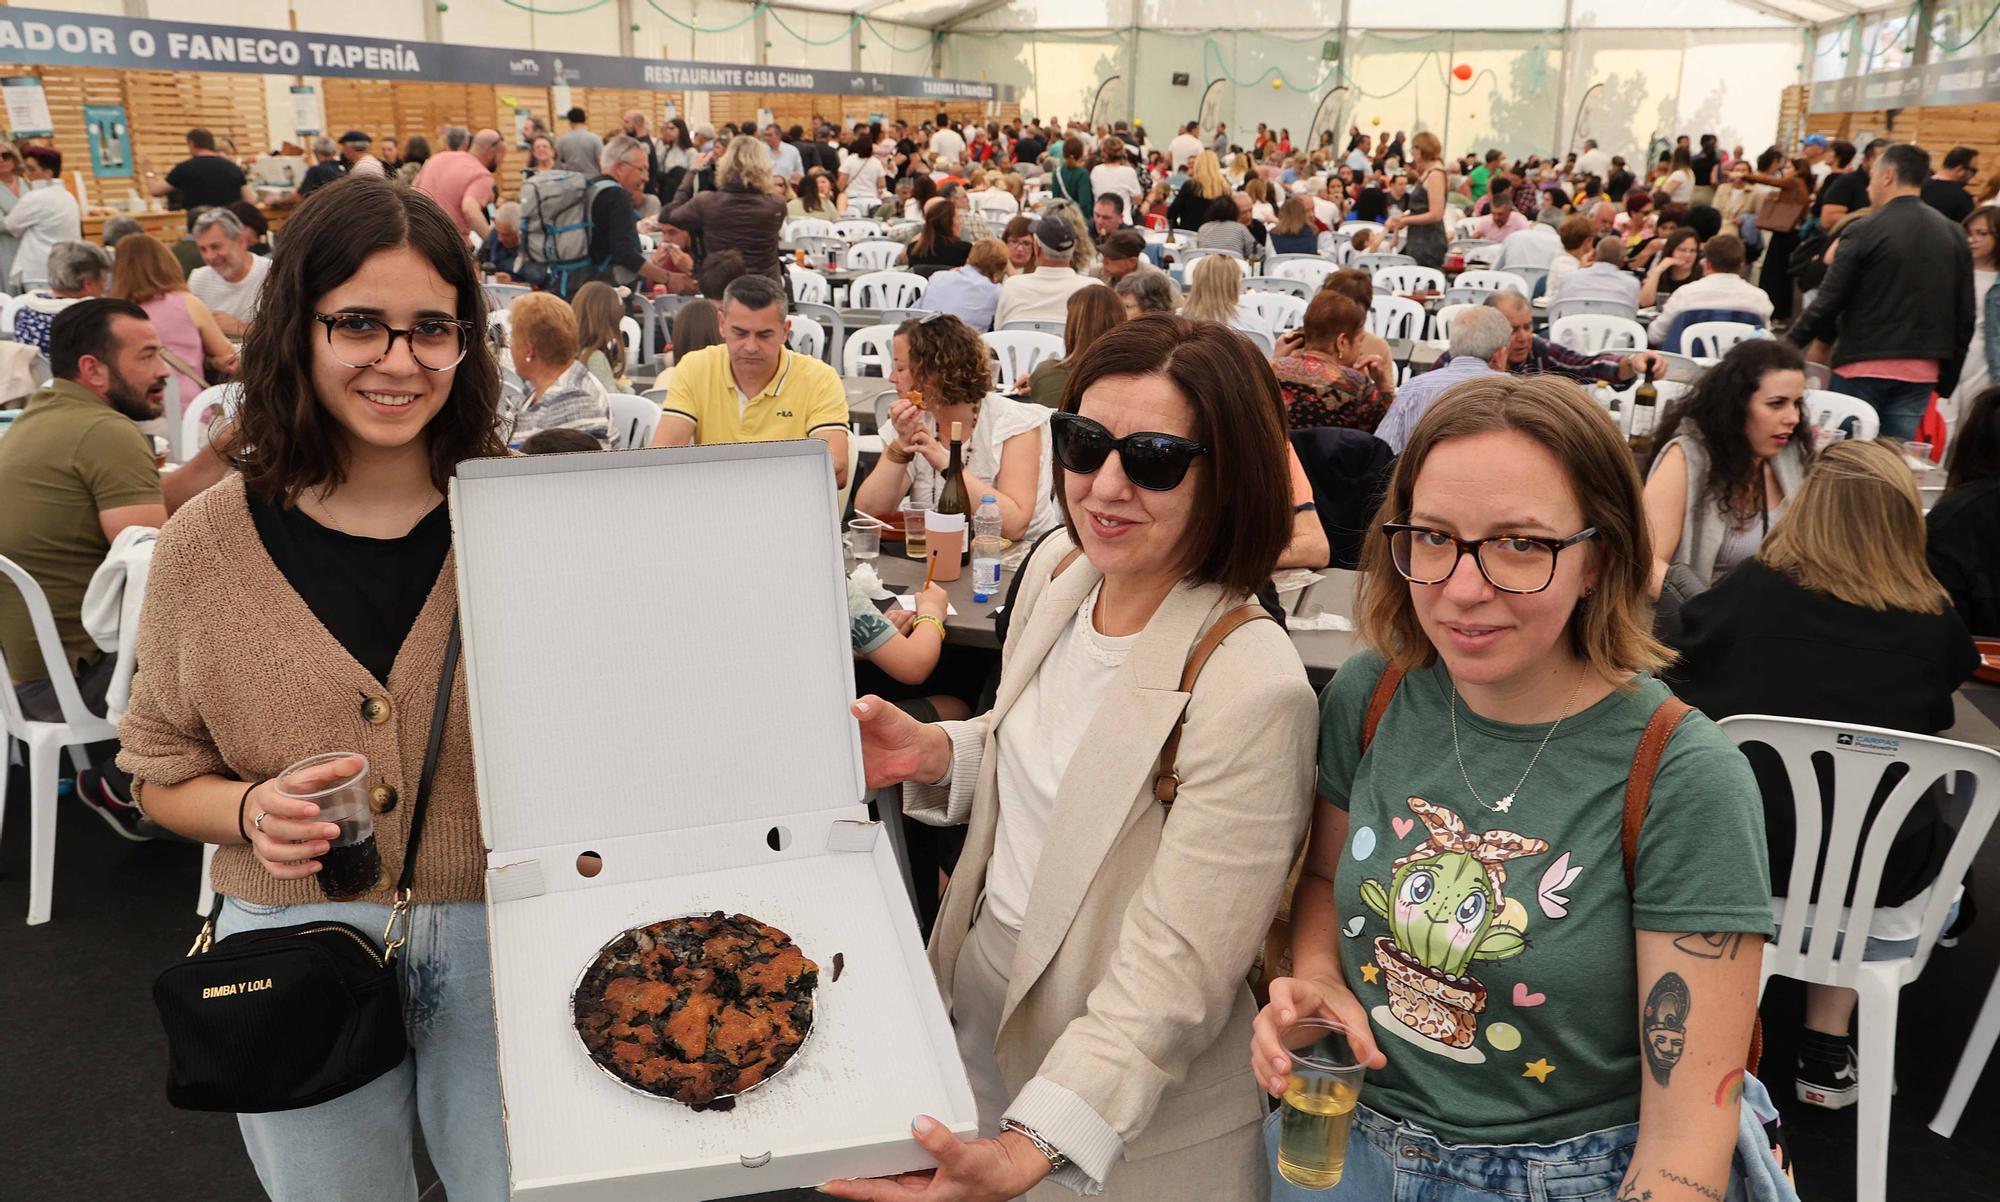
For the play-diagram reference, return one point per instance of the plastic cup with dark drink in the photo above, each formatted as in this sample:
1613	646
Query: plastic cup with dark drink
337	782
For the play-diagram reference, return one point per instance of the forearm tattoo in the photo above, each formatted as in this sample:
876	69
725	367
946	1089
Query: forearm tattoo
1663	1026
1705	1191
1632	1193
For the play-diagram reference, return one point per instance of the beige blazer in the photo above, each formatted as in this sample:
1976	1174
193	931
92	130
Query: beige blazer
1128	983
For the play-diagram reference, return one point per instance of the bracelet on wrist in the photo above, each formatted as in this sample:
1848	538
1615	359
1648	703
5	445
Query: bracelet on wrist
931	619
1057	1160
242	803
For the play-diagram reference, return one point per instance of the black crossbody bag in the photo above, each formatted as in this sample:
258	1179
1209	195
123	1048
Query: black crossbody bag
290	1017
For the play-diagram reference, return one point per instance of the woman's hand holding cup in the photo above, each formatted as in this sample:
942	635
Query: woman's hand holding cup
1294	998
284	834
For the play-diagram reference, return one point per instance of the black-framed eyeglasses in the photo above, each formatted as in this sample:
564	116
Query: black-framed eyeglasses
359	340
1154	462
1512	563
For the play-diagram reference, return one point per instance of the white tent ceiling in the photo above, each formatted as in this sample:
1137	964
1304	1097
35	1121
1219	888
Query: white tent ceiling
1408	14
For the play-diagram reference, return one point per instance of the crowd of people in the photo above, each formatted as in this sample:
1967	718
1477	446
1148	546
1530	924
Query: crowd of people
1526	585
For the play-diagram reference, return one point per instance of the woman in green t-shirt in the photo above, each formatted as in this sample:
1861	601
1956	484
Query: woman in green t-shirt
1467	916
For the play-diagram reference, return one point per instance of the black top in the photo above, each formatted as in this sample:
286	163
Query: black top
1760	643
1948	198
319	175
1964	551
1617	184
614	229
367	592
944	254
1028	148
1705	165
1846	188
206	180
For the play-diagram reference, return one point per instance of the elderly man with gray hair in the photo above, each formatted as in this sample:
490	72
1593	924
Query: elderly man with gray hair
115	227
327	166
77	271
501	251
1477	347
231	278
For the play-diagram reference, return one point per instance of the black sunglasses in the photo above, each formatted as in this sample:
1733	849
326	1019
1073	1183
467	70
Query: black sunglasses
1155	462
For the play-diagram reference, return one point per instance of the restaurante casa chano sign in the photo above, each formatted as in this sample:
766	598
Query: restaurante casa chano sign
90	40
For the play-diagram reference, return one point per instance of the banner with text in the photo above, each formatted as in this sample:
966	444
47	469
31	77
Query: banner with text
1955	81
89	40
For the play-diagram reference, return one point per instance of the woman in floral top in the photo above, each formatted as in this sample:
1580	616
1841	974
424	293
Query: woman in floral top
1324	378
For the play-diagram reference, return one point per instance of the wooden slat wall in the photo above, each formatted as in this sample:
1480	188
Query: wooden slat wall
1937	129
792	108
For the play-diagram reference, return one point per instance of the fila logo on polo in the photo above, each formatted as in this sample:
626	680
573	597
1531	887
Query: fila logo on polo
240	987
784	413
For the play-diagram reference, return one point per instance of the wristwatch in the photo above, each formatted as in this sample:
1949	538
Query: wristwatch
1057	1161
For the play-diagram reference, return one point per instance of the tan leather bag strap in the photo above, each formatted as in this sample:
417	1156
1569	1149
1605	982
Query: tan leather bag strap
1638	798
1167	785
1066	561
1378	703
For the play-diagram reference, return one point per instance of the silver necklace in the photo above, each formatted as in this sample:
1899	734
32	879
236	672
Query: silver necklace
319	494
1507	803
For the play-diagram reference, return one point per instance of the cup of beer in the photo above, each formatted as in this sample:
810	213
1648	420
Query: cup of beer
1322	1088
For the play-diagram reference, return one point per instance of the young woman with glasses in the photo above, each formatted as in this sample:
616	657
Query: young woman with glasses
1523	1013
1105	909
303	605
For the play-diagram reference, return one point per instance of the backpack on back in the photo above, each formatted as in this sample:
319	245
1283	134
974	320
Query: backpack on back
555	231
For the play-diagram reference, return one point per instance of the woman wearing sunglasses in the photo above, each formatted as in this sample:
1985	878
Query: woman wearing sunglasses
944	374
1529	1021
303	605
1094	940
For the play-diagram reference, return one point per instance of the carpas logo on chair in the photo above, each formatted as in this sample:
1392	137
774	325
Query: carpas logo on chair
1868	744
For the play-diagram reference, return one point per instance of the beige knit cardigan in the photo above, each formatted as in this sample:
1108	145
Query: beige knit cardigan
236	677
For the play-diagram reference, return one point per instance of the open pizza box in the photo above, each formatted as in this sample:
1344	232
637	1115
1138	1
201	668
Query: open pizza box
657	649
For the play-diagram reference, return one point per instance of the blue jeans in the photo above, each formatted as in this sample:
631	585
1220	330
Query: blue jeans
1899	403
1389	1161
360	1145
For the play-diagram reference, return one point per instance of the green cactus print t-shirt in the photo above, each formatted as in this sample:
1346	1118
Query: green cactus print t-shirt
1495	951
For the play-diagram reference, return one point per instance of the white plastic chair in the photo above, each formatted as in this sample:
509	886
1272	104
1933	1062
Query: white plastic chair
1023	323
1857	757
867	347
1571	306
1483	256
1828	409
997	208
629	332
873	256
44	741
1272	283
1595	333
499	296
1265	343
1347	228
1491	281
1442	319
807	227
1395	317
886	289
1018	352
633	420
809	286
805	336
198	417
1410	278
1277	311
1311	272
1374	261
1713	339
14	305
858	229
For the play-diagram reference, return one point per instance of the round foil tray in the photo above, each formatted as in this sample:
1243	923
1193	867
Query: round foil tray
721	1101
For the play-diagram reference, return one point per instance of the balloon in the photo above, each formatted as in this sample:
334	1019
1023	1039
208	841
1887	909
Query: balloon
1276	84
1462	72
1374	120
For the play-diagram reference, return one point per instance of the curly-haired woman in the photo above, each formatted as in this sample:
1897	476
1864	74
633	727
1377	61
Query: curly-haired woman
942	370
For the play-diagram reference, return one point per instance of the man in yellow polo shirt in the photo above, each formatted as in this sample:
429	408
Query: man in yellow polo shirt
753	388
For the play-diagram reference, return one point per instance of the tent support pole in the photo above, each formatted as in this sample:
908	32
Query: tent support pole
1562	79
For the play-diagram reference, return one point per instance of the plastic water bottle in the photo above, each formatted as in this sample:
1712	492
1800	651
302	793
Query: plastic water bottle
986	547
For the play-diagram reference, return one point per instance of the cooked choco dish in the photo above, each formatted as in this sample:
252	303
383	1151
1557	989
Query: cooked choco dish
696	1009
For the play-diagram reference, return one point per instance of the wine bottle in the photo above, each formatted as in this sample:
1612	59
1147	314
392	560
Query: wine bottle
945	524
1645	411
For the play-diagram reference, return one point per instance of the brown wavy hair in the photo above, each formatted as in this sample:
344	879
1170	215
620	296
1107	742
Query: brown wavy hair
1092	312
144	269
948	357
1612	630
283	440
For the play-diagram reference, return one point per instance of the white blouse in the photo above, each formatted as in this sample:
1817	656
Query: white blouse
1000	418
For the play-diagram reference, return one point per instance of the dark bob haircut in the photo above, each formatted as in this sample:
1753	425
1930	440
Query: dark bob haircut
1242	512
283	440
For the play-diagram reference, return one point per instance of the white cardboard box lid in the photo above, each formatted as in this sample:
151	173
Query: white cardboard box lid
655	640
